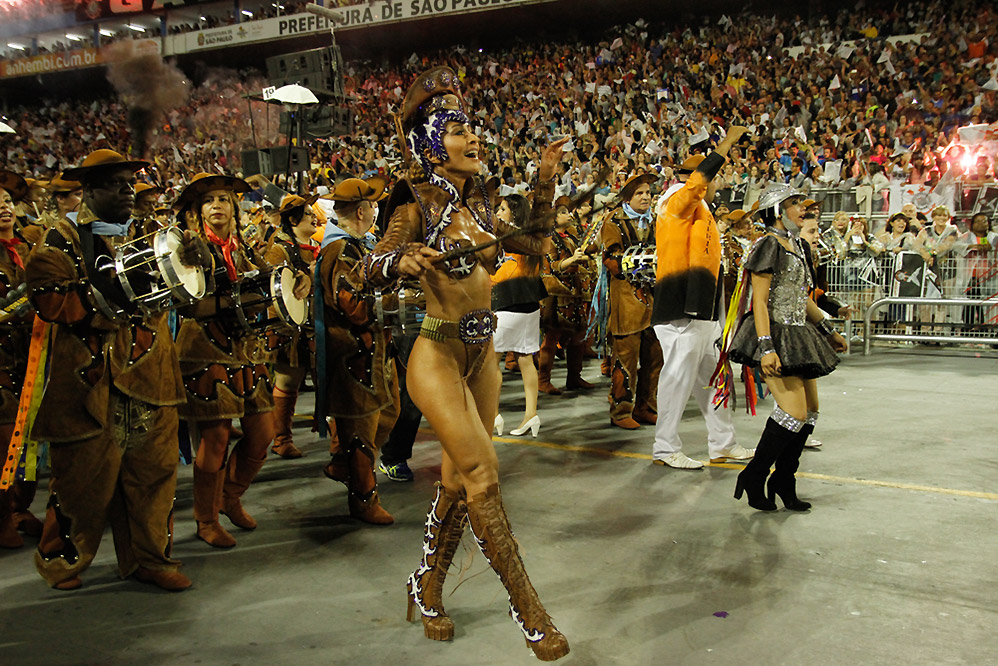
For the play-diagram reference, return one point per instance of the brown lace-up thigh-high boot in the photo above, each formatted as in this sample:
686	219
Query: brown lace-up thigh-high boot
495	538
445	523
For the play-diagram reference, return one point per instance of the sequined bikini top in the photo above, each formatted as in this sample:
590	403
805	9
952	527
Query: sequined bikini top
438	202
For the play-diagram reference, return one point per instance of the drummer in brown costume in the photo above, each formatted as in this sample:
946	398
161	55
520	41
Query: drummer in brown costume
222	368
110	404
15	335
293	349
65	199
637	357
144	212
364	397
565	312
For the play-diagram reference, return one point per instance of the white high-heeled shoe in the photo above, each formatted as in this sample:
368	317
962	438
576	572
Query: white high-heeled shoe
498	424
533	425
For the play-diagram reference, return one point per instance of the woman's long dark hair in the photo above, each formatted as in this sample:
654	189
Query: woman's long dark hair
519	209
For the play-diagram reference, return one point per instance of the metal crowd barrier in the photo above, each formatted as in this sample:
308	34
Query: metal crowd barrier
900	298
943	339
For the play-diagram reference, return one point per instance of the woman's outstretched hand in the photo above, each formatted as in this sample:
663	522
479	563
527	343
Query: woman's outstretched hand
551	157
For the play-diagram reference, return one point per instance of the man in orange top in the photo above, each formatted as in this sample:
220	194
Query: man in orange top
685	314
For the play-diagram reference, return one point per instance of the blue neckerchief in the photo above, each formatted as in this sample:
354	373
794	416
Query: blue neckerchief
644	219
102	228
334	233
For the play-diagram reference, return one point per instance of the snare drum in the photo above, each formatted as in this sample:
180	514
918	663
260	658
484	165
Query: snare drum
638	265
153	278
265	300
410	309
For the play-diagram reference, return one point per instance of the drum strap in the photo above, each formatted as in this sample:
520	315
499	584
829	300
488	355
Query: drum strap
98	279
31	395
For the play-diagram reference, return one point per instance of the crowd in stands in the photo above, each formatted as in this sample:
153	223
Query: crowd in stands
643	97
269	10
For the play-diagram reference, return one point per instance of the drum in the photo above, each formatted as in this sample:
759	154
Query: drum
152	277
638	264
406	318
265	300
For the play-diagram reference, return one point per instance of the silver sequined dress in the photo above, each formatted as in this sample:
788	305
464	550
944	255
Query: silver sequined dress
802	349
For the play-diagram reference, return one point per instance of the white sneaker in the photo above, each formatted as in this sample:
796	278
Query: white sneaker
736	452
679	460
812	443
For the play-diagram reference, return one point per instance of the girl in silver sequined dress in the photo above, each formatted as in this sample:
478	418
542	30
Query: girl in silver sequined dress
787	336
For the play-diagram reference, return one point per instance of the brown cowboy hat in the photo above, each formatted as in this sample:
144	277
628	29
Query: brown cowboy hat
357	189
632	183
100	160
292	201
433	90
148	190
36	182
807	203
59	185
14	183
203	183
690	164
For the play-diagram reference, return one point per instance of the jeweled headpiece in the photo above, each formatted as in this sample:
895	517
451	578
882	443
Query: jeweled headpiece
433	100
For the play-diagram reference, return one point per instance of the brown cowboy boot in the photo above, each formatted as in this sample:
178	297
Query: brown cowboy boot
545	361
9	538
362	486
240	472
22	494
284	411
338	467
207	499
491	528
445	523
574	357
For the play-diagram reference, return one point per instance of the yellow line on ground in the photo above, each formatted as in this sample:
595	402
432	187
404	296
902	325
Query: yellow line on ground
806	475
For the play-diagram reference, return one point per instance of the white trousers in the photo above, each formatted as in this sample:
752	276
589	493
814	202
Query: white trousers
689	357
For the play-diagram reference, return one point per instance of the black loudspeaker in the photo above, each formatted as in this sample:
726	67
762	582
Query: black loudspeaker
320	122
316	69
256	162
269	161
279	159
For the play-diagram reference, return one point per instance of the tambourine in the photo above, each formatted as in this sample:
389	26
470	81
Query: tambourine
265	300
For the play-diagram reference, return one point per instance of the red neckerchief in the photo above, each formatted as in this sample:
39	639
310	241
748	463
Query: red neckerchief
9	245
314	249
227	247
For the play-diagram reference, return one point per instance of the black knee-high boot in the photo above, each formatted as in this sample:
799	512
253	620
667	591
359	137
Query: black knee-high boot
781	431
783	482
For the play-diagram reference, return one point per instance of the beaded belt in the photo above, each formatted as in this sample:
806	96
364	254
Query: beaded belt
474	328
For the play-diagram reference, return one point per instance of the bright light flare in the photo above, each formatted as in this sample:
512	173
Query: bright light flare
968	162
